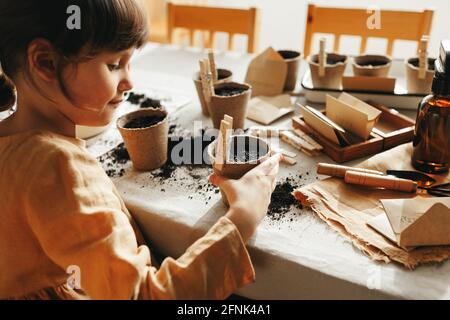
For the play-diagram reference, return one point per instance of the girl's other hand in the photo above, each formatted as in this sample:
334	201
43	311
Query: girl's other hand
249	197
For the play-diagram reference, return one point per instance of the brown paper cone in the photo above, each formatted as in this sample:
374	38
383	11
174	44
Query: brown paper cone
292	59
224	76
234	106
234	170
371	65
413	83
334	70
147	146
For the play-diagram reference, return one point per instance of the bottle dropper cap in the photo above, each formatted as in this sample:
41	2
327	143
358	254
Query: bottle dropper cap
441	80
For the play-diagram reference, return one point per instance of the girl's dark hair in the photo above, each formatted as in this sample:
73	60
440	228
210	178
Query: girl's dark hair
106	25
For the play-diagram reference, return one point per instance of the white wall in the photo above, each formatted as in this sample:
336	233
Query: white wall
283	21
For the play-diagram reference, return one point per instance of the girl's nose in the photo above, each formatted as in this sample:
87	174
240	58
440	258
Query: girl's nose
126	85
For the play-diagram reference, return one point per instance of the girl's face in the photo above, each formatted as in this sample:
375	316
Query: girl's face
96	88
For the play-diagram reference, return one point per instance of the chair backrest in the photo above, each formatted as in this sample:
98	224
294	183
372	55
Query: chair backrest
404	25
213	19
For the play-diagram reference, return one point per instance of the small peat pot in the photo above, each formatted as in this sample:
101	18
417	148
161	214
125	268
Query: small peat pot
413	83
230	99
334	70
371	65
223	75
145	133
292	59
246	152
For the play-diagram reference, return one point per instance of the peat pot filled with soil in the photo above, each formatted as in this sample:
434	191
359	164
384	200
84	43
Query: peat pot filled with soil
371	65
145	133
334	70
292	59
245	153
223	75
230	99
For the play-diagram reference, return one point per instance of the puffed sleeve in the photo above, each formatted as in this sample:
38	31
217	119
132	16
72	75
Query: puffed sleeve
77	216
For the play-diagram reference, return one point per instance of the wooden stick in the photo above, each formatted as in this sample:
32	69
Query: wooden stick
285	159
289	137
288	160
284	152
229	119
207	84
212	65
322	57
334	170
308	139
267	132
386	182
222	151
423	57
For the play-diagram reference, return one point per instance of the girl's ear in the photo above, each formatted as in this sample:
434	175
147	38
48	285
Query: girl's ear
43	59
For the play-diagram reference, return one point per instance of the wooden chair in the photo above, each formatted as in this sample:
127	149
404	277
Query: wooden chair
212	20
404	25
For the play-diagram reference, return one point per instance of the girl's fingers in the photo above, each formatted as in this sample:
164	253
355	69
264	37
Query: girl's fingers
220	182
270	167
215	179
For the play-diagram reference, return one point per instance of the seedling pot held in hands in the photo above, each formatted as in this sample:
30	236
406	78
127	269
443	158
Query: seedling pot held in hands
246	153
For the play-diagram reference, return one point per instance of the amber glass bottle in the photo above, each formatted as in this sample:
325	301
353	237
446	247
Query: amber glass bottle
431	142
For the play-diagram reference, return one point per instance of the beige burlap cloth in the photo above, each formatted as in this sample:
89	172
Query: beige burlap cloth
348	208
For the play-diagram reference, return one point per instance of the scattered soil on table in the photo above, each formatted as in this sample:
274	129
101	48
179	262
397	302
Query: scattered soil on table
144	122
229	91
114	161
151	103
144	101
191	173
282	200
134	98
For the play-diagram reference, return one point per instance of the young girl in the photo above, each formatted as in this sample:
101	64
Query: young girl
59	211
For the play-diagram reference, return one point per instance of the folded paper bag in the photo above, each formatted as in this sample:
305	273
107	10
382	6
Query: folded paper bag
419	222
267	73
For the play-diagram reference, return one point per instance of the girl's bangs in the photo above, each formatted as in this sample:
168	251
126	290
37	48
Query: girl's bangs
114	25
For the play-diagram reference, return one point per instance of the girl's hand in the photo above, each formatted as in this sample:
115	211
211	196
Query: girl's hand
249	197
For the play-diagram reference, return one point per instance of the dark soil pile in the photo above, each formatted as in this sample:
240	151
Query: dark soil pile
282	200
144	101
151	103
134	98
114	161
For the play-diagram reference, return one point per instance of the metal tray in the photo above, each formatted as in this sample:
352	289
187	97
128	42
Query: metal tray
400	98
